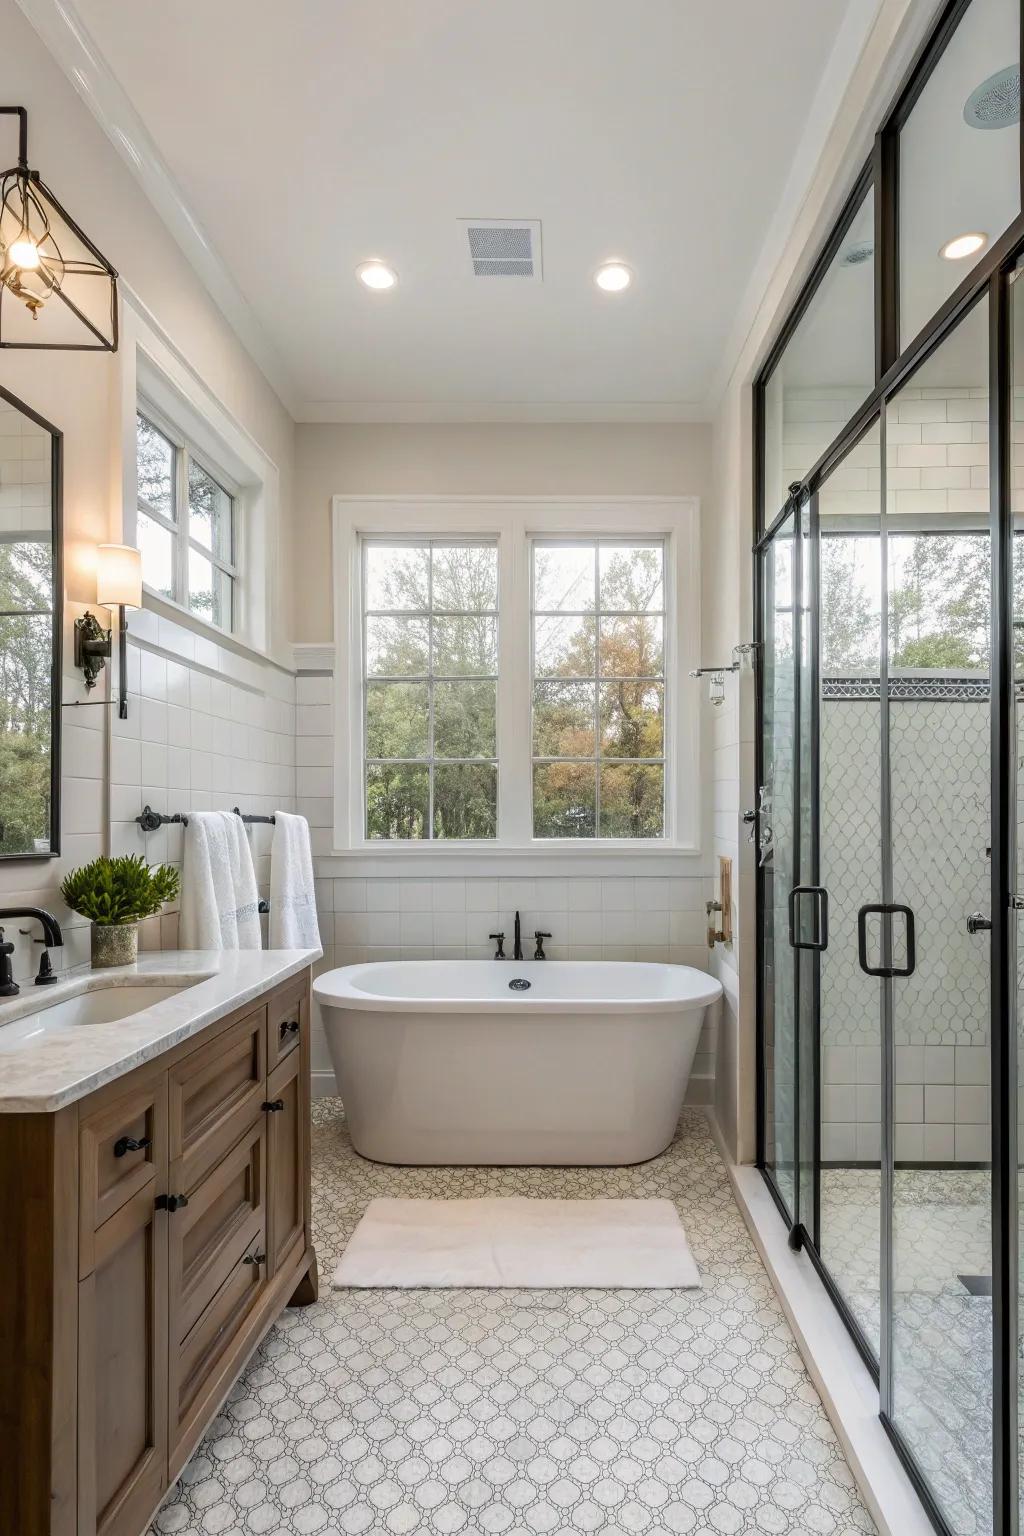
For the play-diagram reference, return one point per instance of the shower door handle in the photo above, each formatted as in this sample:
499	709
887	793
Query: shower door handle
886	910
820	940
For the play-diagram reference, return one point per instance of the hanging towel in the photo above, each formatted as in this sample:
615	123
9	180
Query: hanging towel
293	922
219	901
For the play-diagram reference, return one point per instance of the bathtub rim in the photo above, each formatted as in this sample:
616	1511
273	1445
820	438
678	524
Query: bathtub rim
337	988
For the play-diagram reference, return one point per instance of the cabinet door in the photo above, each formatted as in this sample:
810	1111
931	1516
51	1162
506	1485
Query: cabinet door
122	1372
288	1119
287	1020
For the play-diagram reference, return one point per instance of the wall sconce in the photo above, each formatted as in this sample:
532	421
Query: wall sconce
118	585
49	267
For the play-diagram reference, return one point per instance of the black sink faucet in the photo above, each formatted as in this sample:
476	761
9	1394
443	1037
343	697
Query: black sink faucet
517	952
52	937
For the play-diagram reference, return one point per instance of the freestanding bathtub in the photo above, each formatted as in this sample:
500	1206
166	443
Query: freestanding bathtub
513	1062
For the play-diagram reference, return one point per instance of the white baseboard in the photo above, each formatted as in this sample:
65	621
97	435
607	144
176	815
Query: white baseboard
842	1380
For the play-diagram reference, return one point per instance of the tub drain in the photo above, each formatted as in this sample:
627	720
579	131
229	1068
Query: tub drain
519	984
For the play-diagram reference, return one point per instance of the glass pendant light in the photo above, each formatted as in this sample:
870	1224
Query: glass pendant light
57	291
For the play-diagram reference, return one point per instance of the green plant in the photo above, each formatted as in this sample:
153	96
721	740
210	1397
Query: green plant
121	890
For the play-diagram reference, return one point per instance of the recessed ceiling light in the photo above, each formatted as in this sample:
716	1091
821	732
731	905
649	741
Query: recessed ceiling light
613	276
374	274
963	245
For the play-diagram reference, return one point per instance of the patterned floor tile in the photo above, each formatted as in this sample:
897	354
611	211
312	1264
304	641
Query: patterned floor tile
523	1413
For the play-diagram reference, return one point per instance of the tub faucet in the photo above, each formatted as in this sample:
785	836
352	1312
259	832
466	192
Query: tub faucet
517	953
51	936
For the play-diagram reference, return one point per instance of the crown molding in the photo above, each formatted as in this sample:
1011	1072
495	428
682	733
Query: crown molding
67	39
353	412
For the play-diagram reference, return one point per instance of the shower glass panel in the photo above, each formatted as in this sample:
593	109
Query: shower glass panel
777	854
850	838
938	580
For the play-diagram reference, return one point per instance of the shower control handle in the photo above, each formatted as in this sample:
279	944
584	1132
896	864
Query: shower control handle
978	922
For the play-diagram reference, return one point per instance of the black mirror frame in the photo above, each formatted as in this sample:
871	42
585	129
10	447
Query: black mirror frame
57	642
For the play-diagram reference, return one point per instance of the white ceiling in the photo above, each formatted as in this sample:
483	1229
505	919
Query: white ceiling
307	137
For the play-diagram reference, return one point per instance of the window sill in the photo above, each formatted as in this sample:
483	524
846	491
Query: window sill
395	860
167	608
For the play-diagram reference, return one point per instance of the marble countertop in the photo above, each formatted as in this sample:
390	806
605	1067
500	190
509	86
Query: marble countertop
47	1064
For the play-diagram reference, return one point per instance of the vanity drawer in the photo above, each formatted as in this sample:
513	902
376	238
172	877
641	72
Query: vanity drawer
213	1095
287	1021
208	1236
122	1149
197	1364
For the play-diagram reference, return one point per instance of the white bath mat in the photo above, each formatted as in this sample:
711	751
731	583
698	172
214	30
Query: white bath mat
587	1244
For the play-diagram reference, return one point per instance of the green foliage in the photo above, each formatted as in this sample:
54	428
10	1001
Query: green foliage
121	890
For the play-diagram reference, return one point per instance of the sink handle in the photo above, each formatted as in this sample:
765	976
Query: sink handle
129	1144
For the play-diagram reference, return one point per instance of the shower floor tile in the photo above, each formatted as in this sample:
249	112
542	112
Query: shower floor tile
525	1412
942	1327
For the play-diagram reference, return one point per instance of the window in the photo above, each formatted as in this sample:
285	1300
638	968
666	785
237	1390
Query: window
598	689
513	675
185	526
430	689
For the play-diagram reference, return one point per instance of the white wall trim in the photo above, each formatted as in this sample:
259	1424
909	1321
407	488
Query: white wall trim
511	521
68	40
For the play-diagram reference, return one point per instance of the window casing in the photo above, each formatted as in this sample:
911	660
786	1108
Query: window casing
186	524
662	753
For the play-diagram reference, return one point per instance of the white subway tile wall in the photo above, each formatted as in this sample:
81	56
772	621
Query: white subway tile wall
643	918
207	729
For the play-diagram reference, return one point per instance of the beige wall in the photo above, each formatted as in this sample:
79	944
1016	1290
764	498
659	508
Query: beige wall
557	460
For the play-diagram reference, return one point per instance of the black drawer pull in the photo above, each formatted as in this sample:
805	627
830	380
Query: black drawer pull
171	1202
289	1027
129	1144
272	1105
255	1258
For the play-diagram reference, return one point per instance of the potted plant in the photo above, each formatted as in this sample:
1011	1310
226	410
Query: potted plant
116	894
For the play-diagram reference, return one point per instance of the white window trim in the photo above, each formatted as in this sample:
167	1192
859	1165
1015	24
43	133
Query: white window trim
154	372
512	522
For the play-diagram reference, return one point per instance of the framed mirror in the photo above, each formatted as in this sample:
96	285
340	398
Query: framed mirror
31	585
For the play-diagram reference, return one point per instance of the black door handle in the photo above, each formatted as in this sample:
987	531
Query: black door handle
886	910
254	1258
272	1105
129	1144
978	922
289	1027
820	941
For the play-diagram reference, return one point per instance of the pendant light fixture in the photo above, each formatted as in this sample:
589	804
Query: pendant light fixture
57	292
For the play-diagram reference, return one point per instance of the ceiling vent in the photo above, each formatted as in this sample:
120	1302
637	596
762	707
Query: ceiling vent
995	103
504	247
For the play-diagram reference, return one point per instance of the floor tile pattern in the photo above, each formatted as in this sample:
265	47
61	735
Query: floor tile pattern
525	1412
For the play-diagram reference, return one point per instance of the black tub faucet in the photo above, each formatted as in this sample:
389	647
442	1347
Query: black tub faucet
517	953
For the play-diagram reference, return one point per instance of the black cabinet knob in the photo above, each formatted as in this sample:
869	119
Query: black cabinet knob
289	1027
126	1144
272	1106
171	1203
255	1258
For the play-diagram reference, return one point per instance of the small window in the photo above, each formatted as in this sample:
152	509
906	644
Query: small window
185	527
598	689
430	689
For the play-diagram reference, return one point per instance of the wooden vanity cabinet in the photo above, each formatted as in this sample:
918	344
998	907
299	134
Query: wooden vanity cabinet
152	1233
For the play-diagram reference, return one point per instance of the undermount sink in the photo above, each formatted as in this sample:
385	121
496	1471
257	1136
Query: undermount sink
103	1003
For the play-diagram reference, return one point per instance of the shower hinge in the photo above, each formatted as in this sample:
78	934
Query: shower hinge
1016	903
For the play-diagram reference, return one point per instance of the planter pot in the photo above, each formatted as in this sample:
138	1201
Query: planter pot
115	944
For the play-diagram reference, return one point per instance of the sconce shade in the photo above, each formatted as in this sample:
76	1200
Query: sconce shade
57	291
118	576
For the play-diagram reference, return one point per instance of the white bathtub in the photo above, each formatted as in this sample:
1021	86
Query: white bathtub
444	1061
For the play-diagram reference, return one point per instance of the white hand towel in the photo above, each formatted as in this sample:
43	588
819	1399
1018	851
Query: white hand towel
219	901
293	922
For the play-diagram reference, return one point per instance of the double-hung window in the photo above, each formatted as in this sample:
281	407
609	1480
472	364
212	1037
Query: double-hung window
185	525
430	689
598	689
505	681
